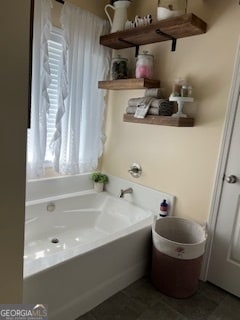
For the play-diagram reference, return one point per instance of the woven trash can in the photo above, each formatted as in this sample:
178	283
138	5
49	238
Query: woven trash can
178	248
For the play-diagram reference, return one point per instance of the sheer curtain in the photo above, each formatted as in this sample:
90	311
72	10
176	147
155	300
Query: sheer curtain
39	95
78	140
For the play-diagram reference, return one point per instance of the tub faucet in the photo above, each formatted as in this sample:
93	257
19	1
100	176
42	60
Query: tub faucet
122	192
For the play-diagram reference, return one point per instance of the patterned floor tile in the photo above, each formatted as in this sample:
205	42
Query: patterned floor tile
229	309
141	301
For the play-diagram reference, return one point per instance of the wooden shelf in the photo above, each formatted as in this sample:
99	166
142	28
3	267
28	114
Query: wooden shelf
129	84
160	120
169	29
172	28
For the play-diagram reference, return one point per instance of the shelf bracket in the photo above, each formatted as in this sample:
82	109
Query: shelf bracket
132	44
174	40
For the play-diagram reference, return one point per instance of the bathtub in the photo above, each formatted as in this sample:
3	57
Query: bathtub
81	248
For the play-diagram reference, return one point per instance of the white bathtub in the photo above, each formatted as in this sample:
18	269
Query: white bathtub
81	248
64	227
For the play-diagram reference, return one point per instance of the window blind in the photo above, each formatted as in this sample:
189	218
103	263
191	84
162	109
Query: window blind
55	52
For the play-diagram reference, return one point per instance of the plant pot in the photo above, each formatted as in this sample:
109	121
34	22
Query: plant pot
98	186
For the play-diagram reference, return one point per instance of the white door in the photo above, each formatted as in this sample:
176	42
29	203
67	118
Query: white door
224	267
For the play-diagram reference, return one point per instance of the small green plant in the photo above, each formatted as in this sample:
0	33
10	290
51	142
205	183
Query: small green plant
99	177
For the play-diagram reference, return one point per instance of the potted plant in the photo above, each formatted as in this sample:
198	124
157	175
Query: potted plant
99	180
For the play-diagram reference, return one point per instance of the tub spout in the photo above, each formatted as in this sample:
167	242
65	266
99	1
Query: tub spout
122	192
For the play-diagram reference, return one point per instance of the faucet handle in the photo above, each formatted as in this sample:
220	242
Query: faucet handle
135	170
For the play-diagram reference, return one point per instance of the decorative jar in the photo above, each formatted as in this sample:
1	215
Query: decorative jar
144	65
119	68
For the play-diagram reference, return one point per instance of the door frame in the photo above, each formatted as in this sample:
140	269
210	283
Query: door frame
222	161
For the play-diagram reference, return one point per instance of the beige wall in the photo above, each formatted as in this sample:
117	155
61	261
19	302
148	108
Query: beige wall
180	161
14	62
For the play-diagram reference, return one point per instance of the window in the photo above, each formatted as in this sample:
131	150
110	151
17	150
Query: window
67	109
55	52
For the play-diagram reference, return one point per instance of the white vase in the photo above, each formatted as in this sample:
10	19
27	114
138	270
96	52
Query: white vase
98	186
120	15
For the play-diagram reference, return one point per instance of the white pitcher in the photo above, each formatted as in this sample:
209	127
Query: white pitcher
120	14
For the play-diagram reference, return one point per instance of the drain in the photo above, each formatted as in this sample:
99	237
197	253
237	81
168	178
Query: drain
55	240
51	207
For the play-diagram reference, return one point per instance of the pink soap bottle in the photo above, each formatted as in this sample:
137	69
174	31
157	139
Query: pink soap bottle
144	65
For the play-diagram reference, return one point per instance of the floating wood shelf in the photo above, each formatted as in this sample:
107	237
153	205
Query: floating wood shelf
169	29
160	120
129	84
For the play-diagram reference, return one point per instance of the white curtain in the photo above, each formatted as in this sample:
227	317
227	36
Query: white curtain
78	140
39	95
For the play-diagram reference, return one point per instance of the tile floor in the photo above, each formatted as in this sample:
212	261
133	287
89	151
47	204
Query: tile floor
141	301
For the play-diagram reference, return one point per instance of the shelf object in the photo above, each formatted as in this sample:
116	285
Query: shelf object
169	29
180	102
160	120
129	84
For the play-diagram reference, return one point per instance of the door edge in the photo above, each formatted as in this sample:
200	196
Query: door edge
222	161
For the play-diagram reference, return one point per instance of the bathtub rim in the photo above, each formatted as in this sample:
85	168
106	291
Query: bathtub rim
60	197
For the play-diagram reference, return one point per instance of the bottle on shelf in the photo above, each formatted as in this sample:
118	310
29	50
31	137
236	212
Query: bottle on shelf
144	65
